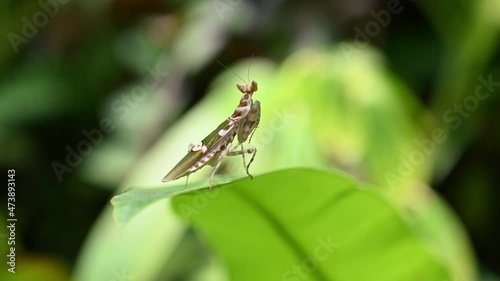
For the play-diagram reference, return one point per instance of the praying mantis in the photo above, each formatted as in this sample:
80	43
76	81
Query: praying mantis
218	144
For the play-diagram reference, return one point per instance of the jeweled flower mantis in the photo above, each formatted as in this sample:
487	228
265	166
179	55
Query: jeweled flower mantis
218	144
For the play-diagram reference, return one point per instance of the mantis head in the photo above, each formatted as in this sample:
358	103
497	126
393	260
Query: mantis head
249	87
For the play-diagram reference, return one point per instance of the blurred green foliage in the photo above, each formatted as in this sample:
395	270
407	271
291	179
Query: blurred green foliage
332	99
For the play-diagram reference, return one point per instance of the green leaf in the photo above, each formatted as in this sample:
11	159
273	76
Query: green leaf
131	202
303	224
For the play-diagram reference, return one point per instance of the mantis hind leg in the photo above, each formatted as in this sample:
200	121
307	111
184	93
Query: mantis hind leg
217	164
252	151
244	161
187	178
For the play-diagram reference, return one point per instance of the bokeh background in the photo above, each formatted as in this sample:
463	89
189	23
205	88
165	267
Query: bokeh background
353	86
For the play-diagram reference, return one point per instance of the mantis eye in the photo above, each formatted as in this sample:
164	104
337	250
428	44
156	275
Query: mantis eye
254	86
241	87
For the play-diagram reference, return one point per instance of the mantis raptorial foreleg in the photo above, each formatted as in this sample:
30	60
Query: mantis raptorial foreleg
247	126
255	118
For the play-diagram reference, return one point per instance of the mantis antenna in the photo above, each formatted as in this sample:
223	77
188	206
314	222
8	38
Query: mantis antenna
249	66
231	71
